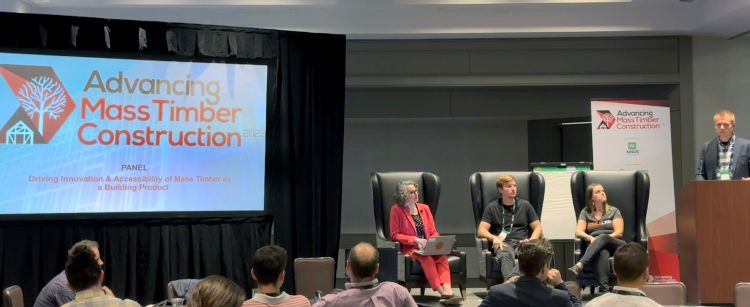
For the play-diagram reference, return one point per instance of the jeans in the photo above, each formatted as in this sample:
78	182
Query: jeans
600	251
506	256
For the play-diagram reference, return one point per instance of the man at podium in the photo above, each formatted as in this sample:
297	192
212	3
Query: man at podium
724	157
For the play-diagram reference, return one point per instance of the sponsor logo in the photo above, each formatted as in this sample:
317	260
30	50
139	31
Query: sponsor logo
608	119
632	148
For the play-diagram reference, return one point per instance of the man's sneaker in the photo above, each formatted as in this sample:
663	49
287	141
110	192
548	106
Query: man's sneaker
575	270
451	300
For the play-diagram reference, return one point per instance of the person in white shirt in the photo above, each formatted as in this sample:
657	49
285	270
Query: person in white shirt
631	269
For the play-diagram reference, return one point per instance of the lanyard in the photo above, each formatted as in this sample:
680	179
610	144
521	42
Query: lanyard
512	218
623	292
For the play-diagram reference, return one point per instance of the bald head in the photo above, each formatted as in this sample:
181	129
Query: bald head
363	261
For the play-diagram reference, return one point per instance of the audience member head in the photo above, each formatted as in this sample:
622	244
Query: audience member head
506	186
631	264
216	291
534	257
269	265
84	268
363	263
595	194
406	191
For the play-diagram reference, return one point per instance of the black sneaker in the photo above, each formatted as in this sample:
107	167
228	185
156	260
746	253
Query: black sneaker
575	270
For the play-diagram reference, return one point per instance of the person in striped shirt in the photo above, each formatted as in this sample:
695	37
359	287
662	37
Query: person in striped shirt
269	269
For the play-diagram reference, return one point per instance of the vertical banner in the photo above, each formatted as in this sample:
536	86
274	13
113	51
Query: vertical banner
635	135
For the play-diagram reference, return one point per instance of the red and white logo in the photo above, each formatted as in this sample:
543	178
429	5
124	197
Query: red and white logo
608	119
44	104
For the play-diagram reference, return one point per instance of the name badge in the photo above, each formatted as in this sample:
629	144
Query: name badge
503	234
724	174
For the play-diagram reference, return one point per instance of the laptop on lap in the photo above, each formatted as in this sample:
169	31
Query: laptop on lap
441	245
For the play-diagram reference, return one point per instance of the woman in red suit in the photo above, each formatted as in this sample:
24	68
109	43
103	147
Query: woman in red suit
411	225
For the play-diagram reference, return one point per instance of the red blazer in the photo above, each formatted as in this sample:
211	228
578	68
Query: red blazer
403	229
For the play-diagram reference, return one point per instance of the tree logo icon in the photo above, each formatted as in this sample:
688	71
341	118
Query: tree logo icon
44	104
42	96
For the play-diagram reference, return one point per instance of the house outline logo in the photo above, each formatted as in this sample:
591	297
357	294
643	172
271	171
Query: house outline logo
608	119
44	104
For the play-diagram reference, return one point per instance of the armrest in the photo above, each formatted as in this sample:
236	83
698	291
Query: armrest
644	242
387	244
462	256
579	247
482	243
391	261
483	255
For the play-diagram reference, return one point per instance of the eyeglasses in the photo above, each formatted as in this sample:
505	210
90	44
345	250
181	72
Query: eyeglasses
723	125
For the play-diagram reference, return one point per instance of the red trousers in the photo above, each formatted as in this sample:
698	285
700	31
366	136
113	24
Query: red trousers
435	269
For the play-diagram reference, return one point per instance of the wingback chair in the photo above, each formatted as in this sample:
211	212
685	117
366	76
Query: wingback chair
529	185
626	190
409	271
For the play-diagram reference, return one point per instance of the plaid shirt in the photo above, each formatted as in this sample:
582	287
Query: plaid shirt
726	153
97	298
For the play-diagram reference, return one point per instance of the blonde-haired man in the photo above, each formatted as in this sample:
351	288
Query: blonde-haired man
506	222
724	157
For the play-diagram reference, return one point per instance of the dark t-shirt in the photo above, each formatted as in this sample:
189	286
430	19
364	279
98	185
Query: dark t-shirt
500	217
596	227
55	293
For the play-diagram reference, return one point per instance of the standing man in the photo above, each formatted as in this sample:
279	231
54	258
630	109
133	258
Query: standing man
724	157
506	222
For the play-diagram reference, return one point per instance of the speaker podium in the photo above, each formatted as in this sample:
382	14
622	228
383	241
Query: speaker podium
713	227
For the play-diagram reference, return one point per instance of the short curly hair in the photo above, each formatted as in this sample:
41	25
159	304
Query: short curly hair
401	193
533	255
268	263
216	291
82	268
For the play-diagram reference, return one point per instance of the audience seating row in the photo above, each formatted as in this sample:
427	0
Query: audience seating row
668	293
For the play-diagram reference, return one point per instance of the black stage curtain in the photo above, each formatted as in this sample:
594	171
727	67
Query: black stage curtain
304	158
140	255
304	148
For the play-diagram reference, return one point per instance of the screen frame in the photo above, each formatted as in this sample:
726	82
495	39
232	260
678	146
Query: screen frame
272	72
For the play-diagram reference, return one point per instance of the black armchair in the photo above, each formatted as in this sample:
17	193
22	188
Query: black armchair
530	186
626	190
409	271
